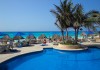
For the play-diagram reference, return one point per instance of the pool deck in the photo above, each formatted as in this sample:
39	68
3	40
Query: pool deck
23	50
35	48
91	44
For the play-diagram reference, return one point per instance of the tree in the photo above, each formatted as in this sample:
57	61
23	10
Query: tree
63	14
72	16
59	21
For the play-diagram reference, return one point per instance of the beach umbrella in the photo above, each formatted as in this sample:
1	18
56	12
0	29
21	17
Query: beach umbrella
2	34
90	33
83	34
42	36
55	36
18	36
7	37
31	36
61	37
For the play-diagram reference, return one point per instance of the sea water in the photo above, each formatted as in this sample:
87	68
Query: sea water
38	33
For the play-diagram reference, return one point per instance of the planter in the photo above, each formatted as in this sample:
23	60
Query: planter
70	47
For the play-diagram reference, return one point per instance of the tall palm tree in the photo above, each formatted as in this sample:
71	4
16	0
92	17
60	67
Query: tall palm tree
77	20
59	20
61	27
69	15
91	20
64	13
88	20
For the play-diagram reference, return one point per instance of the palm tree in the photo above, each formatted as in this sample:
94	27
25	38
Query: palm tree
69	15
60	22
64	15
61	27
77	20
88	20
91	20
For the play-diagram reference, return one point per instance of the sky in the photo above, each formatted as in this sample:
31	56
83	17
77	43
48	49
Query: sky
34	15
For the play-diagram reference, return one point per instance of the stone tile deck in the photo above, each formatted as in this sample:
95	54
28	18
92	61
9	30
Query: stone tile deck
91	44
23	50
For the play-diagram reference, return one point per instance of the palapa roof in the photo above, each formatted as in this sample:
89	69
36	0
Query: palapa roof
31	36
42	36
18	37
55	36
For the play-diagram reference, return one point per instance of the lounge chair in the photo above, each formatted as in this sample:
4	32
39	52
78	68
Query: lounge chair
90	40
39	41
55	43
44	45
1	49
4	48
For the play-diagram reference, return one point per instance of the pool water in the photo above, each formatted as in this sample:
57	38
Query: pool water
51	59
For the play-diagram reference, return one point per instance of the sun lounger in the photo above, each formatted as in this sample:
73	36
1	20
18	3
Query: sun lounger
39	41
44	45
55	43
91	40
3	48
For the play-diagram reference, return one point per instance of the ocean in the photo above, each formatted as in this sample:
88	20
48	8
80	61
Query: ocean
38	33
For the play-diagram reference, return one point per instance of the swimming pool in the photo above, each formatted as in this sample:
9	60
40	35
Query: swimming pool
51	59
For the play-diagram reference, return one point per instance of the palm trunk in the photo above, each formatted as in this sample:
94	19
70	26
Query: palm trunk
62	32
99	34
67	33
75	36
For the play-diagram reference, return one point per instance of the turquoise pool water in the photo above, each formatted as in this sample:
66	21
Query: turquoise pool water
51	59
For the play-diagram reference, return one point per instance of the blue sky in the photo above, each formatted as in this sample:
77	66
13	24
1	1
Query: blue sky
34	15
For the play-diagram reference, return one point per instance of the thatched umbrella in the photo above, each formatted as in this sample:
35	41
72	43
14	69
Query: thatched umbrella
31	39
55	36
31	36
18	36
42	36
83	34
65	37
90	33
7	37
